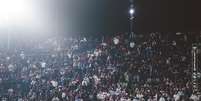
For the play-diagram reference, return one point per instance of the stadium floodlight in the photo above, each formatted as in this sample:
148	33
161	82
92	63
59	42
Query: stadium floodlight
132	11
13	10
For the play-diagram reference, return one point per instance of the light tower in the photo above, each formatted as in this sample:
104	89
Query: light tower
131	20
131	13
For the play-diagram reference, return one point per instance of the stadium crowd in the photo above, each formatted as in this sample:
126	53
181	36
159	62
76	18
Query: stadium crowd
146	67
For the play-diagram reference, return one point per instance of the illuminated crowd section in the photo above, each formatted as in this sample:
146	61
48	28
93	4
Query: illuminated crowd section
153	66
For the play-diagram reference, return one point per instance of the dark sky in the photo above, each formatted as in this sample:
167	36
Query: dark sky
111	16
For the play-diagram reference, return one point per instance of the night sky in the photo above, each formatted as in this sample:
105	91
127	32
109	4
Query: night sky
111	16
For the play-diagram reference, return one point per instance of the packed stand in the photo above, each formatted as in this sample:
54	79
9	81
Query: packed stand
146	67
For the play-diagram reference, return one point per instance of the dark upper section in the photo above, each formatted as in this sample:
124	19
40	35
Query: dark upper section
110	16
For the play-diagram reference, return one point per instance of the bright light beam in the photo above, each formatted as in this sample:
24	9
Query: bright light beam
13	10
26	17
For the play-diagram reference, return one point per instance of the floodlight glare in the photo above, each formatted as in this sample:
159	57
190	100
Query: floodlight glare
26	17
12	10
